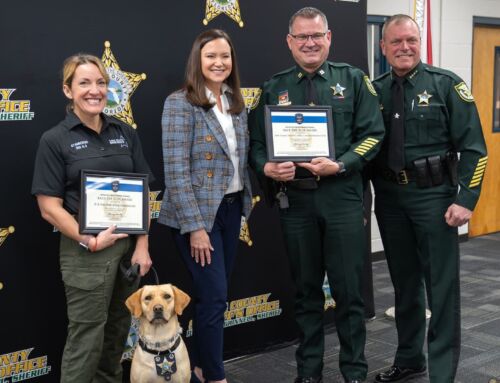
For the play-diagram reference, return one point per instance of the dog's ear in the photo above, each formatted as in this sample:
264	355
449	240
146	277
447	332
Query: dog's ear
133	303
181	300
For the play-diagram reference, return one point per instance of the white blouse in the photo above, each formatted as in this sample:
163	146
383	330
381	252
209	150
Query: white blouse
226	122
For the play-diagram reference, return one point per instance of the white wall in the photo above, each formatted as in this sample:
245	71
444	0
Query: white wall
456	32
452	27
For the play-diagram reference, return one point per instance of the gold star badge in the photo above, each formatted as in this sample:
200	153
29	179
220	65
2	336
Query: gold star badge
423	98
338	90
121	87
166	366
215	7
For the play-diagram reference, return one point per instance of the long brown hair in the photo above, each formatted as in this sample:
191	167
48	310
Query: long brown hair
194	82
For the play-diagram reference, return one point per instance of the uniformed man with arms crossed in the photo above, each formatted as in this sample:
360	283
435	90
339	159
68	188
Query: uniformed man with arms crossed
321	211
422	194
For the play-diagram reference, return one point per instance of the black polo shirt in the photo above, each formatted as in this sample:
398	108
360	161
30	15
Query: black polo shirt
70	146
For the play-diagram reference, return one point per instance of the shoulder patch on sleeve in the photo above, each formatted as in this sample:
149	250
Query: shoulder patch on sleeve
251	97
369	85
464	92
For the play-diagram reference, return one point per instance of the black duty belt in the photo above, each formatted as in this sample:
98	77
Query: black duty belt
309	183
403	177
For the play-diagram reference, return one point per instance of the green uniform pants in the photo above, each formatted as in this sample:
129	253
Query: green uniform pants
422	254
98	318
324	231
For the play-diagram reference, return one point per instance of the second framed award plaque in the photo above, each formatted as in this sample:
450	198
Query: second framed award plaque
112	198
299	133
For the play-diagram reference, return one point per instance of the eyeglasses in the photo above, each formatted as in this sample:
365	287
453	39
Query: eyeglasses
316	37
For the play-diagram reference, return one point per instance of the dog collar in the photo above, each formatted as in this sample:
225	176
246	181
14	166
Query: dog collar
156	348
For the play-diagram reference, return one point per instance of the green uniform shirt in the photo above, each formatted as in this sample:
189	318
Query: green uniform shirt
440	116
357	122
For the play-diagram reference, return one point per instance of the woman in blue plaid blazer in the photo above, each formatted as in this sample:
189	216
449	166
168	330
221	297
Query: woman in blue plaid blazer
207	186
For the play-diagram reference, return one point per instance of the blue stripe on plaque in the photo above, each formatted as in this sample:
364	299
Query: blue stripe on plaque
292	119
108	186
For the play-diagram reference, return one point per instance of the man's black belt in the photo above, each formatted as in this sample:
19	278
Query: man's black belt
403	177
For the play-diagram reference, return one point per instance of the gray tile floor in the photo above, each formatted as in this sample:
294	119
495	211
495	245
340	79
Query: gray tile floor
480	355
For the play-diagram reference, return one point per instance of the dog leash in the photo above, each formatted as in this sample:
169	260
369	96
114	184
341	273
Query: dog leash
156	275
132	273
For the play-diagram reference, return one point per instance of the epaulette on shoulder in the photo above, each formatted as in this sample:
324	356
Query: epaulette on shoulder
444	72
284	72
382	76
339	65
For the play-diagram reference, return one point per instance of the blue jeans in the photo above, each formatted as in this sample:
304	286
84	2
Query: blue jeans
210	286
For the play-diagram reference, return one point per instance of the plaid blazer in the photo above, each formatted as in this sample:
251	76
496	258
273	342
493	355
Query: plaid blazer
197	165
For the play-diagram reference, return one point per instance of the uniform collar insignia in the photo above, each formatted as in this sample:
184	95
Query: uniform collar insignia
423	98
338	90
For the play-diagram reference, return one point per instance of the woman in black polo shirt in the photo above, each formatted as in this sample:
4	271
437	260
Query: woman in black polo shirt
95	292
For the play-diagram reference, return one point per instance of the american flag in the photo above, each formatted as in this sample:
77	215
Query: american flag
422	15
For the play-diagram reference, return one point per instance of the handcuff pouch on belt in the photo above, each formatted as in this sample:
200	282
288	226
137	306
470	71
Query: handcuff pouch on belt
422	173
429	171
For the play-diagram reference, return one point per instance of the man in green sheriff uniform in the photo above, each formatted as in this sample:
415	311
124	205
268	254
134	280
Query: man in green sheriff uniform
321	202
419	207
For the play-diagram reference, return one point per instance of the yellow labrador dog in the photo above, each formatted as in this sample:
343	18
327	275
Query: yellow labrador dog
161	354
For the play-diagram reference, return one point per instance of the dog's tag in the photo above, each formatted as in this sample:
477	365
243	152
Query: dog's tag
166	365
282	200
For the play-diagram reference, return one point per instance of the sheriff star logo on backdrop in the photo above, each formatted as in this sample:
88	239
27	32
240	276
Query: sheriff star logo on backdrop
121	87
251	97
154	204
4	233
215	7
244	229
